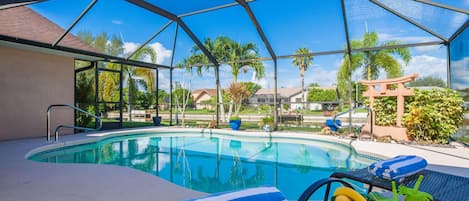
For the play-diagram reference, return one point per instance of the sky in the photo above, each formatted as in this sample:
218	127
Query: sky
288	25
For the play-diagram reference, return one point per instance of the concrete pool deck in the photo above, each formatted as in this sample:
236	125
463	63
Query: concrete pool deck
22	179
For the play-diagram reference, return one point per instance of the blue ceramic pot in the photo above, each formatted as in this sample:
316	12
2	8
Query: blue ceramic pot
235	124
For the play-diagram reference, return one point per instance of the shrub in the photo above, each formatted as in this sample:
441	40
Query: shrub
267	120
434	115
235	118
385	109
430	115
321	95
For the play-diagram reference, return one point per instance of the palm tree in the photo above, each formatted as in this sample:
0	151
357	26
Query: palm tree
372	61
147	80
302	62
224	49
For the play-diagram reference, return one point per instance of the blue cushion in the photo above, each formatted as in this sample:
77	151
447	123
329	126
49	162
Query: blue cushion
398	167
250	194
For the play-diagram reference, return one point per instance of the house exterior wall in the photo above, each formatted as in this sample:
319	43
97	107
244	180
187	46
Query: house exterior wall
29	83
308	105
199	105
295	104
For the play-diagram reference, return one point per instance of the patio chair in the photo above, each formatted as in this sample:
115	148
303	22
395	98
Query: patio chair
442	186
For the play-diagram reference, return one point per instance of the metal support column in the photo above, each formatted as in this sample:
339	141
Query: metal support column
96	91
448	65
171	78
171	97
275	96
121	97
349	52
217	82
75	116
157	87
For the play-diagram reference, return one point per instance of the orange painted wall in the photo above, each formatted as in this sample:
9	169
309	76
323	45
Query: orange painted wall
29	83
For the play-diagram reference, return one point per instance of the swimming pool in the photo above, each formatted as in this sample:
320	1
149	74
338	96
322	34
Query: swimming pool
217	162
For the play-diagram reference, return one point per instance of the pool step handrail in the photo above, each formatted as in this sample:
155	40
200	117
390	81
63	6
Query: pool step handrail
370	114
56	138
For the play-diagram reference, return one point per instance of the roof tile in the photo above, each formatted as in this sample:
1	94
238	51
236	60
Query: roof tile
23	22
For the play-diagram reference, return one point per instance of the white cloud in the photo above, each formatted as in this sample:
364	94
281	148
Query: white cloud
118	22
426	65
130	47
162	54
263	82
163	82
322	76
460	74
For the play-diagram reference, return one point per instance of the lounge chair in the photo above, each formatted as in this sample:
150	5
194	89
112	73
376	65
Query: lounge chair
442	186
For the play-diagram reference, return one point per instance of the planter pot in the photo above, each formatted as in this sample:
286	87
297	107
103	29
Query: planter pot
157	121
267	128
235	124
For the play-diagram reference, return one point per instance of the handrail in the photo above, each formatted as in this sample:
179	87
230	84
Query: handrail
370	113
56	138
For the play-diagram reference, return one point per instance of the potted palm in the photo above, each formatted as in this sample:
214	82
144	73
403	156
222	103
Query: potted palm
238	93
235	123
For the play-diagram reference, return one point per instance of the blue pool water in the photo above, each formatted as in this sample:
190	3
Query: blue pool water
214	162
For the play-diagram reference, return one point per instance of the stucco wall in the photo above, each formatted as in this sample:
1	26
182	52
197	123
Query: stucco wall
29	83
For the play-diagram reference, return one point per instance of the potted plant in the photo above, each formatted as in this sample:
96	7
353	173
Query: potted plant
157	121
238	93
235	123
267	123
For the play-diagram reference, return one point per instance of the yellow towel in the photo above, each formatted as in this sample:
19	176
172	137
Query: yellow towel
347	194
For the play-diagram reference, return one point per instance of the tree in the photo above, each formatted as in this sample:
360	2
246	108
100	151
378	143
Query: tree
428	81
84	87
182	98
137	76
238	93
225	49
303	61
321	95
372	61
251	87
162	95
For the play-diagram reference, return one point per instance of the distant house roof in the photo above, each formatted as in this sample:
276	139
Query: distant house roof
282	92
23	22
199	92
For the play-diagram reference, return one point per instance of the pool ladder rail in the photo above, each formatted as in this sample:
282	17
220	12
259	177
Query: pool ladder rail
56	138
370	114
